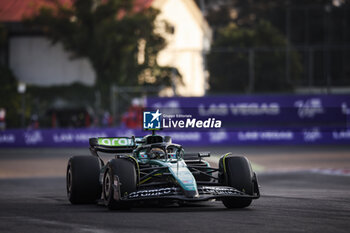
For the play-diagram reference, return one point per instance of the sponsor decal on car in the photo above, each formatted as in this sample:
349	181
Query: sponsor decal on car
115	141
153	192
219	190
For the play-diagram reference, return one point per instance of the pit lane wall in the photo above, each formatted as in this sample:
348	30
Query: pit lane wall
247	120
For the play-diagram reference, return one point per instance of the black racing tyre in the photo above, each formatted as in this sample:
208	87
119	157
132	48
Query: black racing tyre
236	172
125	171
82	180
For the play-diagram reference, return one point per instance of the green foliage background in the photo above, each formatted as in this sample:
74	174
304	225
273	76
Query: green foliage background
10	99
228	61
108	34
318	36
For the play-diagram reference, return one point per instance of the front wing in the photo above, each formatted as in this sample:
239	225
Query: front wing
176	193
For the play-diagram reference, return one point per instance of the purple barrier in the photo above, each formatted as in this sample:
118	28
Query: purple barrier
264	111
80	137
58	137
273	137
247	120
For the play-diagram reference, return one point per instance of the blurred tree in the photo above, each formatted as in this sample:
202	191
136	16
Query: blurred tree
318	29
307	17
3	36
249	12
10	99
109	34
228	61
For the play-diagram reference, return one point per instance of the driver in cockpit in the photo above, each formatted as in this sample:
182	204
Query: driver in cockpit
157	153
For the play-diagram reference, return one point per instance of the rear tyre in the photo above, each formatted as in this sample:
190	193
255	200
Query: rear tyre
82	180
119	180
236	172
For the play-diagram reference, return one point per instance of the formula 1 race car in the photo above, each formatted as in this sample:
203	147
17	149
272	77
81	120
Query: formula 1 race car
152	168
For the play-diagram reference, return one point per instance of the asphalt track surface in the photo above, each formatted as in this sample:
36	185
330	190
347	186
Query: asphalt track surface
294	199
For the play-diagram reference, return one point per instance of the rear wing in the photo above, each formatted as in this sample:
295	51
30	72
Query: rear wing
116	144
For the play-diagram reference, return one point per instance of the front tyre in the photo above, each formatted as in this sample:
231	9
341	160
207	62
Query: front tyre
119	180
236	172
82	180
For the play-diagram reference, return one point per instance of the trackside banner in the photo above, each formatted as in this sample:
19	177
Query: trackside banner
219	120
263	112
80	137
